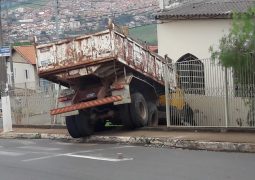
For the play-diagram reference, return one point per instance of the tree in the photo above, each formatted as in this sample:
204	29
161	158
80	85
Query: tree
237	51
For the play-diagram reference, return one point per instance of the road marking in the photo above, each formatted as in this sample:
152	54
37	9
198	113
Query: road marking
99	158
74	154
57	155
44	157
7	153
39	148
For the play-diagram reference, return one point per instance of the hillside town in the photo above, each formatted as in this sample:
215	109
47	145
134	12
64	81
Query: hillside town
127	89
39	18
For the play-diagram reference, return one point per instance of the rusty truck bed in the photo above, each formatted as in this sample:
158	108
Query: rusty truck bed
83	55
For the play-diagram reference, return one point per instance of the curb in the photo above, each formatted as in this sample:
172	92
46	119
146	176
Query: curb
177	143
34	136
146	141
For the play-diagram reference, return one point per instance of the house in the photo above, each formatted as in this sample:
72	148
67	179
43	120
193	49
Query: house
24	67
186	30
193	26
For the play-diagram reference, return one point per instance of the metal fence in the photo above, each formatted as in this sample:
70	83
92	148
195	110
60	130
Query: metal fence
209	95
31	104
206	95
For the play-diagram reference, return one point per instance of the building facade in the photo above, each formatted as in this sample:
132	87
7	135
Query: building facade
186	31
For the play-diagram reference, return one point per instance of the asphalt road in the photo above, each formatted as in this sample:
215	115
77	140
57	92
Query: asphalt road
56	160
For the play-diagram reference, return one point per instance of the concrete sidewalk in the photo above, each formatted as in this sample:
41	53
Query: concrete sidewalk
215	141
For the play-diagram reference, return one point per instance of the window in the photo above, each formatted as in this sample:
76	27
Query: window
190	72
26	74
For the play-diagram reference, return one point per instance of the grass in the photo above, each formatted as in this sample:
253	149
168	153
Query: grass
145	33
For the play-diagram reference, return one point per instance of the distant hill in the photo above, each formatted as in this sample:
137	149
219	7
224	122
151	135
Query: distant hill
26	3
145	33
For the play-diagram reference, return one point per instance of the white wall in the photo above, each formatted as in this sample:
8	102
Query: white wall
19	67
20	75
176	38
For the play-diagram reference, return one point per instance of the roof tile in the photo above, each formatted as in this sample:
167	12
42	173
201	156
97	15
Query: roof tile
27	52
206	8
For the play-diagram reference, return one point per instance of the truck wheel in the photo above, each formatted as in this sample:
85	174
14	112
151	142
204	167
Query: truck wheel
71	126
84	124
124	116
188	116
139	110
153	114
100	126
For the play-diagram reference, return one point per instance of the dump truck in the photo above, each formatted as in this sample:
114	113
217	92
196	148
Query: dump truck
108	76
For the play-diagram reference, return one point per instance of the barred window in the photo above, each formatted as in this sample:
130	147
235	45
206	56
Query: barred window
190	72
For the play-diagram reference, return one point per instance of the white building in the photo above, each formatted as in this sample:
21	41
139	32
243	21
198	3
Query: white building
24	67
186	30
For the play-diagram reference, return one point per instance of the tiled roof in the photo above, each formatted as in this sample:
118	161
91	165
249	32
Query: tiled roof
27	52
205	9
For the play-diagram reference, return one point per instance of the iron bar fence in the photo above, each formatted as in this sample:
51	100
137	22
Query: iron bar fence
210	95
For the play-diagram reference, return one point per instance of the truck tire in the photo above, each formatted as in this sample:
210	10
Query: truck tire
188	116
139	110
71	126
99	126
153	114
84	125
124	116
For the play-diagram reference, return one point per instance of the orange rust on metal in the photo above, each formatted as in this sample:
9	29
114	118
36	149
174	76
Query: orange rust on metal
85	105
74	66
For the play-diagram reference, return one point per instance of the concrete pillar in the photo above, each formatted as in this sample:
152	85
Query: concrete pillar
7	118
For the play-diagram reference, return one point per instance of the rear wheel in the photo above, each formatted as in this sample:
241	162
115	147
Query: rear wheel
188	116
100	125
153	114
84	124
71	126
124	116
139	110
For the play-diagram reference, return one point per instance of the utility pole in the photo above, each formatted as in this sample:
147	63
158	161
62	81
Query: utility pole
57	18
5	98
57	35
166	74
7	3
3	70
